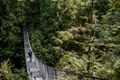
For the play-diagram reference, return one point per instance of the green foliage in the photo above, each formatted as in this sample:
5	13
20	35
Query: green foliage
5	69
62	35
67	40
7	74
12	18
101	6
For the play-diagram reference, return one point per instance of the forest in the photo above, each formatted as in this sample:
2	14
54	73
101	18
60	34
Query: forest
79	37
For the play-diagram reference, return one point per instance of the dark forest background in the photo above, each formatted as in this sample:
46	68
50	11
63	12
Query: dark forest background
79	37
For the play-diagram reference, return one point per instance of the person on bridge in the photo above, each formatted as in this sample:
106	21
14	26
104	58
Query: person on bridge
30	54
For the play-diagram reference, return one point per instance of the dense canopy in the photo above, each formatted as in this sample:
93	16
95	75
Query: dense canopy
79	37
